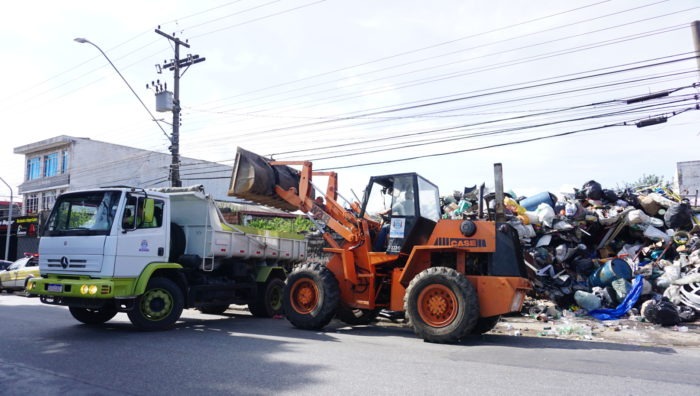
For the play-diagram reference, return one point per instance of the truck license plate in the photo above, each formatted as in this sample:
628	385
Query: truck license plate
52	287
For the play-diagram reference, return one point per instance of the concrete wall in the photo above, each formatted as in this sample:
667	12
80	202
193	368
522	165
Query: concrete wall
689	180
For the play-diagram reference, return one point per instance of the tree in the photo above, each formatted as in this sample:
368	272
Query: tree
647	182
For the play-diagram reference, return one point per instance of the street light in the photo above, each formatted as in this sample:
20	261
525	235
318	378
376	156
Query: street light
83	41
9	221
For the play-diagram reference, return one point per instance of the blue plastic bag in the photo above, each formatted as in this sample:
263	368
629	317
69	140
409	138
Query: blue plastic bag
625	305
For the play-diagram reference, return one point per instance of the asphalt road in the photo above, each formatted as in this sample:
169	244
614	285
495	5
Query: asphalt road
44	351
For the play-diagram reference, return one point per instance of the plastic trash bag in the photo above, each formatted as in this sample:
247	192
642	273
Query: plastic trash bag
624	306
545	214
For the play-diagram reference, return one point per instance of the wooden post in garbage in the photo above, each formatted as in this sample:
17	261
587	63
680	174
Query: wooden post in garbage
695	26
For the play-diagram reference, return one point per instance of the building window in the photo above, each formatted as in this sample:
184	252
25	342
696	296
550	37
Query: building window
47	200
32	203
51	165
33	168
64	163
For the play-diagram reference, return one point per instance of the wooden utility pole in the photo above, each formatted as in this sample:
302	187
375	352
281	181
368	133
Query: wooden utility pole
175	65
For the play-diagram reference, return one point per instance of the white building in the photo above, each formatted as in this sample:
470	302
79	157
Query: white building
66	163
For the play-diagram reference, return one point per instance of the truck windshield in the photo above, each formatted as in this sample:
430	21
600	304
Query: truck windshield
83	213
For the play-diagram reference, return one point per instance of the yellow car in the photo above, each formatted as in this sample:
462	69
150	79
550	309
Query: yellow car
19	272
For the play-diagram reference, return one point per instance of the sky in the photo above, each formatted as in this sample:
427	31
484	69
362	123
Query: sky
444	88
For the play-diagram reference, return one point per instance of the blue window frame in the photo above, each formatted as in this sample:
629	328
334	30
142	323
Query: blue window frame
51	165
33	168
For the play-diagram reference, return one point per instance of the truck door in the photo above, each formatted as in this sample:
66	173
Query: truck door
142	237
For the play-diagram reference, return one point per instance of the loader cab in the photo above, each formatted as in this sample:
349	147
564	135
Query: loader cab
408	204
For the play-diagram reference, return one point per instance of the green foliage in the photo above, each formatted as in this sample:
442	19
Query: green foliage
647	181
282	225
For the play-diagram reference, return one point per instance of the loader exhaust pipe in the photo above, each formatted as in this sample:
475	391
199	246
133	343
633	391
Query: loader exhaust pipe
254	179
498	181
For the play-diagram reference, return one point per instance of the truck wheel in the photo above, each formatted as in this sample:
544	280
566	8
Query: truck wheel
356	317
159	307
311	296
441	305
92	316
214	309
268	301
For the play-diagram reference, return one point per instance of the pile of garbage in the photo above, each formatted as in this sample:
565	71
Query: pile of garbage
607	253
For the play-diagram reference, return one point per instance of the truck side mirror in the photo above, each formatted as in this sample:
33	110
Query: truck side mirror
148	206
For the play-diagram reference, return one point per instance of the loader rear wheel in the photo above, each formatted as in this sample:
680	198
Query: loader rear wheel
356	317
159	307
311	296
269	300
441	305
92	316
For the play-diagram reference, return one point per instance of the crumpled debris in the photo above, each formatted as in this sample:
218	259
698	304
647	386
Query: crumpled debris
586	247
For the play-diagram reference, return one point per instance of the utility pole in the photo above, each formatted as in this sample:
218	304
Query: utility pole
175	65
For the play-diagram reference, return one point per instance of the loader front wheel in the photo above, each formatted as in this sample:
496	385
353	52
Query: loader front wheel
441	305
311	296
159	307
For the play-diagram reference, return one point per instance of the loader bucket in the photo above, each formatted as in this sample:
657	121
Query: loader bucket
254	179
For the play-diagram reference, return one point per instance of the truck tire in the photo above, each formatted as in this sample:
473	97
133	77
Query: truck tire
159	307
311	296
441	305
91	316
268	301
484	325
356	317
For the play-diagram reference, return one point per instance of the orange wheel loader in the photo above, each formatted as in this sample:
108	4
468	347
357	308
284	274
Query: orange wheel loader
448	278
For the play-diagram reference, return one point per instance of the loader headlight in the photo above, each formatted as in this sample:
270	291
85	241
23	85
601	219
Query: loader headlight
92	289
84	289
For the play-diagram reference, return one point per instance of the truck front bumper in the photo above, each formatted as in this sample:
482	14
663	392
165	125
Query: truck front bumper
84	291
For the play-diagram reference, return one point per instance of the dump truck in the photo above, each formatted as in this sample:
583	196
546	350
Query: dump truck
448	278
153	253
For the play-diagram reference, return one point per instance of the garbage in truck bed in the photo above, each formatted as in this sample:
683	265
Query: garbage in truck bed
606	252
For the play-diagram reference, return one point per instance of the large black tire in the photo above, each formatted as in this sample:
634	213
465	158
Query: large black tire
441	305
356	317
268	302
214	309
484	325
311	296
159	307
91	316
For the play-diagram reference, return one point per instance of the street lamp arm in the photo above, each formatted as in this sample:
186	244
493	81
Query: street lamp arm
153	118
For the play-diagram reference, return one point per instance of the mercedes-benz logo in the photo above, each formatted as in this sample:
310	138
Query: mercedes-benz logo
64	262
